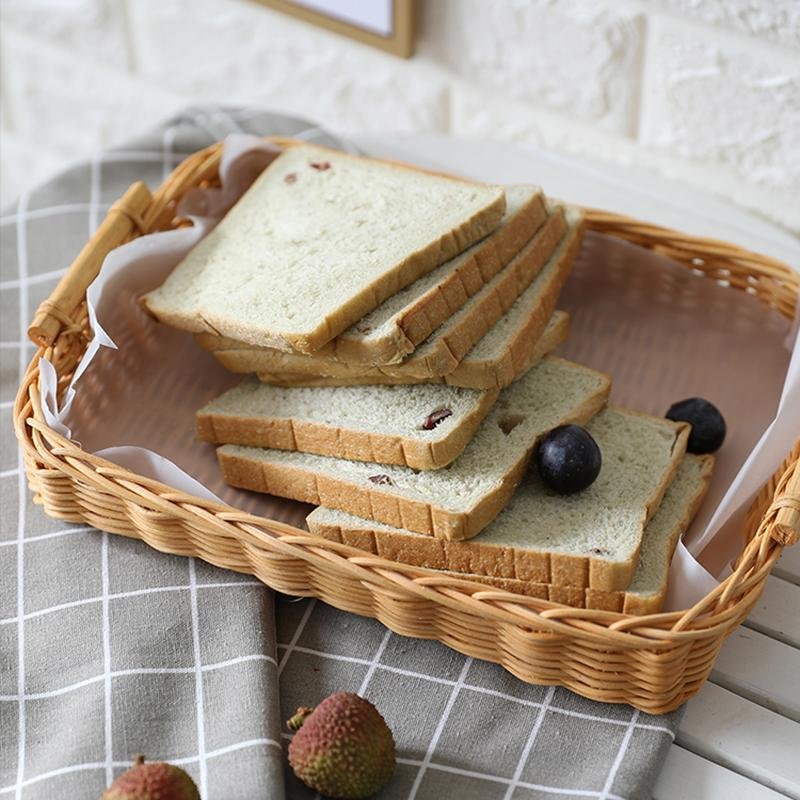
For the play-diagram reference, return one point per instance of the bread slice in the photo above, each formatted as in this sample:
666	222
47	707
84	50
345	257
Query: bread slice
387	334
422	427
588	539
644	595
512	346
456	502
537	263
319	240
502	356
648	588
536	266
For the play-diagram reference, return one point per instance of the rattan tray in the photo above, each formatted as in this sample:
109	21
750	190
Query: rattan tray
652	662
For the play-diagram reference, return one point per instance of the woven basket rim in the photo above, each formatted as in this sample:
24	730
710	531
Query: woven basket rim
710	618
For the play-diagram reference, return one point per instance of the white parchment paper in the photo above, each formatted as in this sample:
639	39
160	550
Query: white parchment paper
662	332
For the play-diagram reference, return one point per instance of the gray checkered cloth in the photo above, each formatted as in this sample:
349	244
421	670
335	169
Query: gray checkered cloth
108	648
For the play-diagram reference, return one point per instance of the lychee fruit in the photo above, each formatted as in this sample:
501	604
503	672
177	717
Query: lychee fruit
343	748
156	780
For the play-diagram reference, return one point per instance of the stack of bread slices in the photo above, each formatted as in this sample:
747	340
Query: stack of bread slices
395	327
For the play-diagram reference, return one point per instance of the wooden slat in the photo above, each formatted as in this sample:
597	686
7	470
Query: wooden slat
687	776
741	735
788	566
777	612
761	669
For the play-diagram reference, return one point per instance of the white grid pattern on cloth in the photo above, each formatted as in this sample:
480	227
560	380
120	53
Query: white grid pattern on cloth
612	773
94	211
218	123
298	631
117	673
451	700
98	765
94	198
198	679
373	665
530	743
52	535
47	211
107	720
465	685
94	193
22	269
362	689
554	790
488	776
118	595
461	684
31	280
485	776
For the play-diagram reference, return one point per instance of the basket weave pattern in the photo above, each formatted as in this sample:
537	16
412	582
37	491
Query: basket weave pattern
652	662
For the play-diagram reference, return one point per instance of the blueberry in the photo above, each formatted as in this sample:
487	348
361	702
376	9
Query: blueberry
708	425
568	459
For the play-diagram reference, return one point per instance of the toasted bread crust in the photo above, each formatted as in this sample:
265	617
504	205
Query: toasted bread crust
440	249
512	570
509	365
380	502
308	436
441	356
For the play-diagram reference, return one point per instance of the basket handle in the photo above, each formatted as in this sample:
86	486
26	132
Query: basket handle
123	217
786	528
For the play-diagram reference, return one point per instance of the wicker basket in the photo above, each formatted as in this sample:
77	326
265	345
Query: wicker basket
652	662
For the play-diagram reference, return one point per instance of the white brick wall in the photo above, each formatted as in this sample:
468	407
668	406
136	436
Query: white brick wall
723	102
527	52
244	54
72	103
707	91
771	20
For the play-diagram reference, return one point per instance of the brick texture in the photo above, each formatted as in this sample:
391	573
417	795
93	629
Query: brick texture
478	115
57	96
256	56
724	104
575	57
96	28
774	20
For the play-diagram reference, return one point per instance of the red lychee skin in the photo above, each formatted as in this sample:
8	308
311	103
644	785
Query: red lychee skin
343	749
152	781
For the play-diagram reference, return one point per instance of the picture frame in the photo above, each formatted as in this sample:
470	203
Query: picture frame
385	24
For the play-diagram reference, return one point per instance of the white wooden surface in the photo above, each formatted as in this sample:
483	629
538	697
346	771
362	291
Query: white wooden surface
740	736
